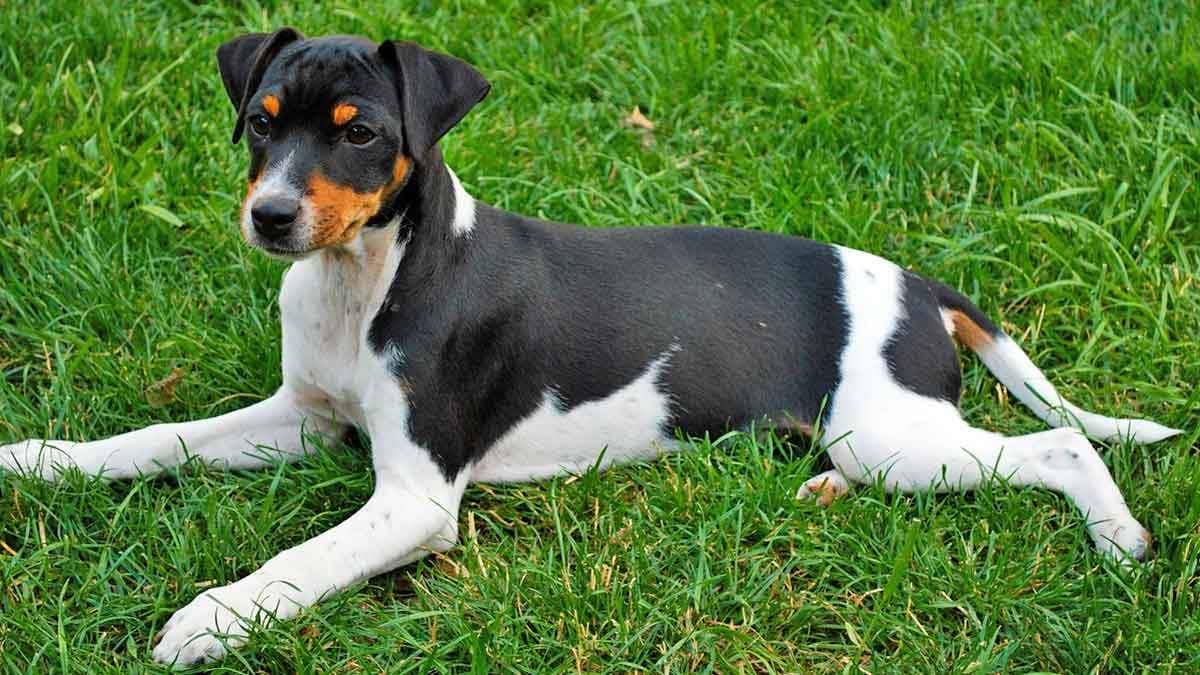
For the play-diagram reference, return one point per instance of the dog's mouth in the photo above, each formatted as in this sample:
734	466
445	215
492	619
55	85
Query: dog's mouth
297	246
291	245
288	248
283	252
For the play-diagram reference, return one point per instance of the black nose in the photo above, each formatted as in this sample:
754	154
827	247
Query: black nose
273	218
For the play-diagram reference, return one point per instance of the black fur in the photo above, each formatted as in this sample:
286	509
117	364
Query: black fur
436	92
242	62
920	354
310	77
750	323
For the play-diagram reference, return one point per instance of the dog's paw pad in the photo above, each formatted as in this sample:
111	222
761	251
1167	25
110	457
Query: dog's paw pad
824	488
1127	540
199	633
1144	549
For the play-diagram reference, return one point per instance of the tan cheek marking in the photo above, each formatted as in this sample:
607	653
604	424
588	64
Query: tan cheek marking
340	211
968	333
343	113
271	105
399	172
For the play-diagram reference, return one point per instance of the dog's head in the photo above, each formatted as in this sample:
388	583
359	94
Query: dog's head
335	127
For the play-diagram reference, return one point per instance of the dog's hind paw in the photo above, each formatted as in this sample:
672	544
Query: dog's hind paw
1123	539
824	487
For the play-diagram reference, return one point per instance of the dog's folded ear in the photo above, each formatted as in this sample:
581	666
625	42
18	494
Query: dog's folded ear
436	91
243	60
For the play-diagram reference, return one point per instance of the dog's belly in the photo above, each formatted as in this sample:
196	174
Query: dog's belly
628	425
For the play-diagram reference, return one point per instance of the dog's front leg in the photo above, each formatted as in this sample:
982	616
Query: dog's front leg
235	440
413	511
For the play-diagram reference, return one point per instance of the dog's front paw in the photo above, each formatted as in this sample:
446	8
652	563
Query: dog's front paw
46	459
218	620
204	629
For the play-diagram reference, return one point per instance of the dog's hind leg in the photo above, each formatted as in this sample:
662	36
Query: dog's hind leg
893	417
275	428
936	450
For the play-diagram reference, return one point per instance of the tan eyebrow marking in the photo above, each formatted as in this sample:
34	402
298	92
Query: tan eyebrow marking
343	113
271	104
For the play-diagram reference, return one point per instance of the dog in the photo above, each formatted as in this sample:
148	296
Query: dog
472	344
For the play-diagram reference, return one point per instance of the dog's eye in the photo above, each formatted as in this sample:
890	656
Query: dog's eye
357	134
260	124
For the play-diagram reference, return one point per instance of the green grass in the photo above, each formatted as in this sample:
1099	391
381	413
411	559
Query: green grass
1041	156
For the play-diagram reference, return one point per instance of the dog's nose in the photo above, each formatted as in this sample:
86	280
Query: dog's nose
273	218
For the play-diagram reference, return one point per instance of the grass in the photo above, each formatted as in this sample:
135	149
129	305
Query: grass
1041	156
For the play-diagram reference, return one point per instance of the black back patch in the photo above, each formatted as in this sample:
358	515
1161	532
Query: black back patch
749	325
920	353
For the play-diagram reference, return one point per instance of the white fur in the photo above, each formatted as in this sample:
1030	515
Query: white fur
878	429
868	393
947	321
464	208
1026	381
276	182
327	304
629	424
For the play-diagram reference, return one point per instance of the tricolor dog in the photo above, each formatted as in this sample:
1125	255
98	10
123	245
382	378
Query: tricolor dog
472	344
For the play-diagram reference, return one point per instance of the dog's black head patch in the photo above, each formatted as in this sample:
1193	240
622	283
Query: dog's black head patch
335	127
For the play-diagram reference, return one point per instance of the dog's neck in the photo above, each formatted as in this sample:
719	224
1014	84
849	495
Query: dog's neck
429	226
436	223
433	202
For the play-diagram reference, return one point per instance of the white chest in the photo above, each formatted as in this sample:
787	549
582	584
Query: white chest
326	304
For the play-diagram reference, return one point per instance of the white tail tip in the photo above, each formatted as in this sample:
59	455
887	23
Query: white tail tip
1141	432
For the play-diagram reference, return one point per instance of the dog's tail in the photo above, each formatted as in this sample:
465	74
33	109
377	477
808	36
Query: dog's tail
971	328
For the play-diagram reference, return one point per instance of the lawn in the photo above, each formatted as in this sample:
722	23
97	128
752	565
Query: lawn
1043	157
